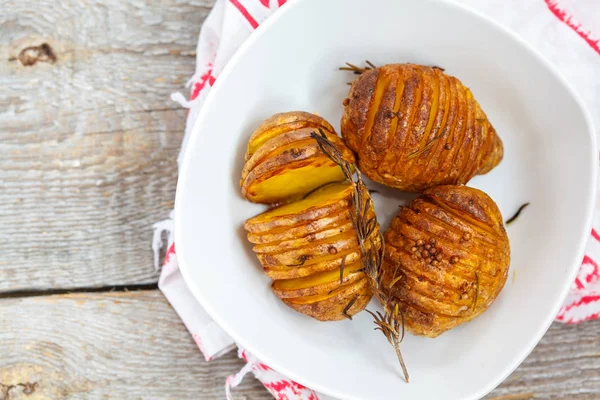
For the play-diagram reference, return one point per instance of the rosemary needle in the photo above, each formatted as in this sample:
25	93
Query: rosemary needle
514	217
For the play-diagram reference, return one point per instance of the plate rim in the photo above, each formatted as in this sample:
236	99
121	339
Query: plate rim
583	236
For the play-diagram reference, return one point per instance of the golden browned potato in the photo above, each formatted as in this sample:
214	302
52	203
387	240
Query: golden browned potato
282	123
344	302
306	268
283	163
318	283
323	201
299	231
413	127
311	251
446	258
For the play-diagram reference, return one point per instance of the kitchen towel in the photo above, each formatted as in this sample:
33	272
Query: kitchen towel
566	32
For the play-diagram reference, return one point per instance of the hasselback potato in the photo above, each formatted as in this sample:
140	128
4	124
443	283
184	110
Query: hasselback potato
413	127
446	258
283	163
310	250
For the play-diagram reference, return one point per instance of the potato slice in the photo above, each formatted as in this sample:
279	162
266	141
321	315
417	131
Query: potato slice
319	283
318	264
316	205
329	246
304	241
284	162
291	181
278	152
299	231
323	264
312	253
282	123
303	245
292	144
278	235
343	303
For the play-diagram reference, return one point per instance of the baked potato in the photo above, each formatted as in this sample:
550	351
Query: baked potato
446	258
413	127
283	163
311	251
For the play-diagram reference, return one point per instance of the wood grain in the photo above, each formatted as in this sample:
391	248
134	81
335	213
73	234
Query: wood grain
88	142
113	345
132	345
564	365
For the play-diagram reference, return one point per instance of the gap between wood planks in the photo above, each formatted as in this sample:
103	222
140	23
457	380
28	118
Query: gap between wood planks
102	289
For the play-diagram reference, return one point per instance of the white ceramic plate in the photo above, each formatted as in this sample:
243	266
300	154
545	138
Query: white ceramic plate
291	63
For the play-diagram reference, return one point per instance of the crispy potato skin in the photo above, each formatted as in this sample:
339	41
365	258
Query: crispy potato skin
302	247
314	252
314	285
282	161
312	208
413	127
300	270
284	122
304	241
303	230
447	255
332	308
314	265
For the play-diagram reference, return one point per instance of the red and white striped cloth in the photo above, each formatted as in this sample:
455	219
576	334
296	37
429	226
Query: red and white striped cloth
565	31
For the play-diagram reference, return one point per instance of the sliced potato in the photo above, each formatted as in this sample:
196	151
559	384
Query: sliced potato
293	144
281	123
336	219
299	231
269	262
291	181
284	163
447	258
329	246
309	246
319	283
314	251
413	127
273	161
316	205
304	241
343	303
328	263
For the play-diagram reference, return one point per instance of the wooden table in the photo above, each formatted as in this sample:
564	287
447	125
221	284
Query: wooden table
88	144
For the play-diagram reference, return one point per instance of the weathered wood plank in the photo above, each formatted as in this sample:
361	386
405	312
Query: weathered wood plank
97	346
88	142
132	345
564	365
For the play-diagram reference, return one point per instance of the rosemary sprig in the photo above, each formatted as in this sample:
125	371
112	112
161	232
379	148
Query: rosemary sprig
335	289
391	322
356	69
394	281
301	260
425	148
514	217
317	188
349	306
392	327
342	265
